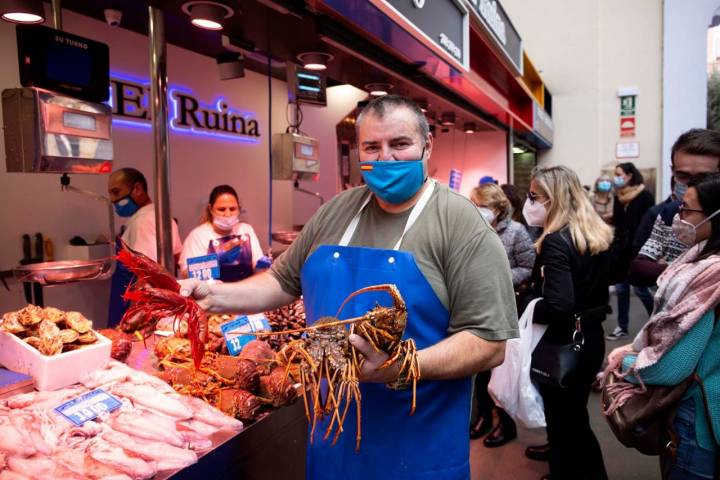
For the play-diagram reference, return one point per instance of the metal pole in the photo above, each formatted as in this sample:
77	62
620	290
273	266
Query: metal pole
56	8
159	108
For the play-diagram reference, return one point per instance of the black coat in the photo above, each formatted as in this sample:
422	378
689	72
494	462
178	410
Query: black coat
626	220
570	283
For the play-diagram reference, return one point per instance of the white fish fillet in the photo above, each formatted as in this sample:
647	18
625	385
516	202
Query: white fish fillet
202	428
12	441
10	475
117	458
209	414
147	426
166	456
34	467
149	397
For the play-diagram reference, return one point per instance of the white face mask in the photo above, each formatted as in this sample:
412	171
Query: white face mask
685	231
534	213
487	214
225	224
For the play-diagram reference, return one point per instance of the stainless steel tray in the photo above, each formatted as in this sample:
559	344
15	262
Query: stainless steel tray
54	273
286	237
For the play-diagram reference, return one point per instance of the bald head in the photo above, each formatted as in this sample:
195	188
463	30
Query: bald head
128	181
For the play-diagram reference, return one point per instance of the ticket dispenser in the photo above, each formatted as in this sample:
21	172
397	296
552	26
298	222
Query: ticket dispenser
52	133
295	157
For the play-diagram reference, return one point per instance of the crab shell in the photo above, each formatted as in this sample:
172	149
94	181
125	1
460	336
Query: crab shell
277	388
238	403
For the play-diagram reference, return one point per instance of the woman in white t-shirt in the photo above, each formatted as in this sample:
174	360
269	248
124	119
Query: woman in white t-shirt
222	234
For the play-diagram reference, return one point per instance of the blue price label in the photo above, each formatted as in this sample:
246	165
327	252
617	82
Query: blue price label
88	406
234	329
206	267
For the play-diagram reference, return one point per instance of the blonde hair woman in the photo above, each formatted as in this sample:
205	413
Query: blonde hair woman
571	274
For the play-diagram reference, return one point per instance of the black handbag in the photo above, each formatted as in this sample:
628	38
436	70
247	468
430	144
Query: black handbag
556	364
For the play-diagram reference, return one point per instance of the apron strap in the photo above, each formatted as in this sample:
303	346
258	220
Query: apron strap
414	214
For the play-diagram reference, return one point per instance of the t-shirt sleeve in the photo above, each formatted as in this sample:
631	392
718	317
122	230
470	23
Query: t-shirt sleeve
480	290
144	237
286	268
196	245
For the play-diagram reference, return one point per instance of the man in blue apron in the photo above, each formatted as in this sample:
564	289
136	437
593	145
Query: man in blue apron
450	267
127	189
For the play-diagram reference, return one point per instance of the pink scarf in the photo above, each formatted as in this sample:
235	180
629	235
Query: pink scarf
687	290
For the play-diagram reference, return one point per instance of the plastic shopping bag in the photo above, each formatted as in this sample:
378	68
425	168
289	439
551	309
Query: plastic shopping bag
510	383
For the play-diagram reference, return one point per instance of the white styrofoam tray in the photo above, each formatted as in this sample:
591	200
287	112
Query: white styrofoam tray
56	371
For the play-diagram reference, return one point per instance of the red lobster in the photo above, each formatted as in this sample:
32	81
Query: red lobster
155	294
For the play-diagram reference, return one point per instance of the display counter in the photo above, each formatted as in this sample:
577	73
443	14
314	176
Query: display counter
272	447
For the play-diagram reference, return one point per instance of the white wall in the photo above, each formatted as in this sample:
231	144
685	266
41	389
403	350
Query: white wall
586	50
684	70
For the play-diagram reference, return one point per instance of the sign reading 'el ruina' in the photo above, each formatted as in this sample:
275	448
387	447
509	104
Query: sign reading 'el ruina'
496	22
129	100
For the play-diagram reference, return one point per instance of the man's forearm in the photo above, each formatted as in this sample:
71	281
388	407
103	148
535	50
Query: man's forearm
258	293
460	355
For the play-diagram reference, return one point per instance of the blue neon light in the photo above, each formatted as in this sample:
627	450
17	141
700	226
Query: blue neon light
309	89
173	113
307	76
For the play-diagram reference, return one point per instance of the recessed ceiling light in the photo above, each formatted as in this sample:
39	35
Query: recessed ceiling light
22	11
447	119
470	127
206	14
315	60
378	89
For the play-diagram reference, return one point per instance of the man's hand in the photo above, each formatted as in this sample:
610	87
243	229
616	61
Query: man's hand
197	289
372	360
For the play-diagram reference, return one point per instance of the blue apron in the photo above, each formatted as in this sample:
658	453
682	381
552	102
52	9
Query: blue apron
234	254
121	278
432	443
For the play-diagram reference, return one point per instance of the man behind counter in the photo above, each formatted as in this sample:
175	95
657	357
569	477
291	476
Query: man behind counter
127	189
404	229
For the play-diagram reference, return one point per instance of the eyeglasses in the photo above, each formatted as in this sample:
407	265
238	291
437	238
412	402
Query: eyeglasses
533	197
682	211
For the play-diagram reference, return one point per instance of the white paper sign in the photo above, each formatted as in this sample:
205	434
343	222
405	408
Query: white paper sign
627	150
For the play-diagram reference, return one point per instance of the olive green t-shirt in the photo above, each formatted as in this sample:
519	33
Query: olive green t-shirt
461	257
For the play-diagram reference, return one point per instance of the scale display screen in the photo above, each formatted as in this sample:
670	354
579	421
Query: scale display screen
62	62
308	86
78	120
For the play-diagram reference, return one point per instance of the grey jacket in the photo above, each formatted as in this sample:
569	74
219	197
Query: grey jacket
520	249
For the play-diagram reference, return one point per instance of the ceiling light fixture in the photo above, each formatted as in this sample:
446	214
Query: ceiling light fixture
206	14
423	104
518	150
470	127
315	60
378	89
447	119
22	11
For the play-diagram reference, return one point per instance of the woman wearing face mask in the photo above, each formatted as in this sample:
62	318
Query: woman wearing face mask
495	207
632	200
683	336
223	234
571	274
602	198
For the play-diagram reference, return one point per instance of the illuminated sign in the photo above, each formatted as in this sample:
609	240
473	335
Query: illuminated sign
129	100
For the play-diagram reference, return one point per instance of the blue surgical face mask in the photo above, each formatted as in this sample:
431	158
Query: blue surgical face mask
619	181
394	181
604	186
126	206
679	190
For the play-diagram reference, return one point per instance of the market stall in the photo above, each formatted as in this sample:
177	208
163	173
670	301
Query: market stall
122	418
